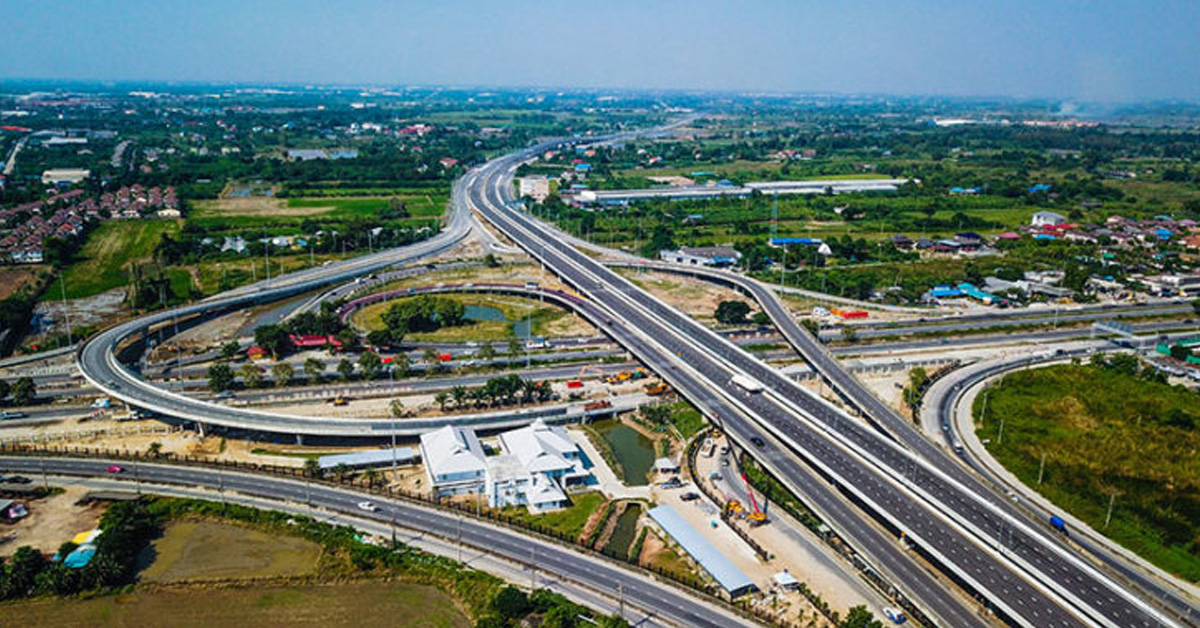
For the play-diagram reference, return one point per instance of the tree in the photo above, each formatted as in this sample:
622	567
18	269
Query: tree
23	568
396	407
251	376
459	394
282	373
657	414
379	338
860	617
486	353
732	312
401	364
273	338
1180	352
442	398
154	449
514	347
349	340
812	326
430	358
312	468
314	369
220	377
345	368
23	391
490	261
5	389
371	364
849	334
511	603
371	476
229	350
760	318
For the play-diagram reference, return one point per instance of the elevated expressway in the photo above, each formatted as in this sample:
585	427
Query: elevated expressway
1022	573
891	423
816	450
659	601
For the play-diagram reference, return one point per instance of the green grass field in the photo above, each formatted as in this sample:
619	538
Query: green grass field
360	604
569	521
104	260
1102	434
184	553
288	214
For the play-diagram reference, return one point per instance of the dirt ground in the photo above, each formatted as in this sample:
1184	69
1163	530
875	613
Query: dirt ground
694	297
52	521
12	279
94	310
204	336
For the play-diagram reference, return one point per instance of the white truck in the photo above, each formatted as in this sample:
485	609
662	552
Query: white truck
748	384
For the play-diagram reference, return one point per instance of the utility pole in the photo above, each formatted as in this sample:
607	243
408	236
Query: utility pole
62	281
1000	433
1112	499
620	600
1042	468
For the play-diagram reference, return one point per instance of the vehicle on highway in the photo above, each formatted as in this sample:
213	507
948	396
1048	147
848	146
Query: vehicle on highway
368	506
757	442
1057	523
896	616
690	496
12	414
17	479
116	468
745	383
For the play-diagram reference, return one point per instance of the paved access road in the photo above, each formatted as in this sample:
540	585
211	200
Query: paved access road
662	600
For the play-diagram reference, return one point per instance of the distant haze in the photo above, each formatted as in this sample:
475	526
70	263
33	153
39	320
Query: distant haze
1101	50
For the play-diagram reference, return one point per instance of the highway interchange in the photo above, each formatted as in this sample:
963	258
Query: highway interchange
872	484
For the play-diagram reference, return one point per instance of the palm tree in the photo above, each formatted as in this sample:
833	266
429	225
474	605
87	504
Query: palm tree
486	353
154	449
441	399
397	408
371	476
312	468
460	394
314	369
401	364
251	376
341	471
514	347
282	372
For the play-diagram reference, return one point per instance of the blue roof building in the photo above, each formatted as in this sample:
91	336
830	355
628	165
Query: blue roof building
1041	187
735	582
794	241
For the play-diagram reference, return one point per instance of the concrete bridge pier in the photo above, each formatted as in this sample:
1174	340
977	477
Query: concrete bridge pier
299	439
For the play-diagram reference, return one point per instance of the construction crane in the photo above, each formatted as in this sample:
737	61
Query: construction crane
756	516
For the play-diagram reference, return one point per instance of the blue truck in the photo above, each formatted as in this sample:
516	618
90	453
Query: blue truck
1057	523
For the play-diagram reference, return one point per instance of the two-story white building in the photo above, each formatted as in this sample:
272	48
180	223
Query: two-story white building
455	463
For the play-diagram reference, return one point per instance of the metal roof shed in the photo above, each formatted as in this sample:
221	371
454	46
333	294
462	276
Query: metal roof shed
733	580
371	458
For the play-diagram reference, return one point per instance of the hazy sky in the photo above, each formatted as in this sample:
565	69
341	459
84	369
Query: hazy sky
1091	50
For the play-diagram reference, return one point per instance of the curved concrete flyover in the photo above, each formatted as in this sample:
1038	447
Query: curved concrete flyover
656	598
944	408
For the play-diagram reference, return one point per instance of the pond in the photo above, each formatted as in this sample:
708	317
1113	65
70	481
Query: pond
625	531
633	450
488	313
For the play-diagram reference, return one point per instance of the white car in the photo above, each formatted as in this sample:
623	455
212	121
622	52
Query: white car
368	506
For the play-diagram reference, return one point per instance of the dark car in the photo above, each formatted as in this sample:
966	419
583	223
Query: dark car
688	497
758	442
17	479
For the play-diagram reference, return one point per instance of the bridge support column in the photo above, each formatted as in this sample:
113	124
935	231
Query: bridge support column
299	439
200	428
